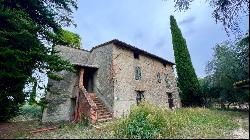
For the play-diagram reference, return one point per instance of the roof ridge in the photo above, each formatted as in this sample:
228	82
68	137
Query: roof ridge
127	45
69	46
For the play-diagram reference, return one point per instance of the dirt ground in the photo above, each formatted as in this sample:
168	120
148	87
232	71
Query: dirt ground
11	130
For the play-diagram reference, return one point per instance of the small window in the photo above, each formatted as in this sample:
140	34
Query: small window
139	97
137	73
136	55
158	77
164	64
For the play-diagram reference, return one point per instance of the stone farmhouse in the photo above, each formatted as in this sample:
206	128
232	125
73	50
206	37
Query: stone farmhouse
108	80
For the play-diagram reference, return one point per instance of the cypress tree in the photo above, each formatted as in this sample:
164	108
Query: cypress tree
187	79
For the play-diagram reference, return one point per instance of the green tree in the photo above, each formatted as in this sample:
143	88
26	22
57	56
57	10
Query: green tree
227	12
28	29
230	64
210	92
69	38
187	79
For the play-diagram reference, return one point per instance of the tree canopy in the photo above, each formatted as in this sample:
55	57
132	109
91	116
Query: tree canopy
230	64
28	29
69	38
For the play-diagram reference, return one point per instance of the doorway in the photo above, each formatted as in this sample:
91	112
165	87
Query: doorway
88	79
170	101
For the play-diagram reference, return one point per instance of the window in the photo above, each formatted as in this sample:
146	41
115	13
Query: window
136	55
167	80
137	73
158	77
139	97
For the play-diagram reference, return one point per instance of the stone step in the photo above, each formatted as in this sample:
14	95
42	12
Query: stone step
98	103
100	106
104	120
102	112
104	115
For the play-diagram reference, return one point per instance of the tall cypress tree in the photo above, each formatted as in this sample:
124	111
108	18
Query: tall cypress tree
187	79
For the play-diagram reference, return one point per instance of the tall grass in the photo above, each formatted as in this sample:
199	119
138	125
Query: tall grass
148	121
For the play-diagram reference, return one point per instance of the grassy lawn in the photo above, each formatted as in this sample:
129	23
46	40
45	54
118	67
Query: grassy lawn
182	123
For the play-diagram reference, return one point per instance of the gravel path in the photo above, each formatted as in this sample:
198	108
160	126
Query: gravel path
243	131
240	134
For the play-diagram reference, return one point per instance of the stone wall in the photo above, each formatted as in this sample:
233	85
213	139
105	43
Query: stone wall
61	94
74	55
103	79
114	81
60	97
125	85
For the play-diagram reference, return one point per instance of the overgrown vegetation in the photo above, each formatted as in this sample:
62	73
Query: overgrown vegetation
149	121
28	112
187	80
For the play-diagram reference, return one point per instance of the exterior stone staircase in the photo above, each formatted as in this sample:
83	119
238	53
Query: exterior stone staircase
101	113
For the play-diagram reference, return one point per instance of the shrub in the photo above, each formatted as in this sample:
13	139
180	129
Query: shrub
144	122
29	112
33	111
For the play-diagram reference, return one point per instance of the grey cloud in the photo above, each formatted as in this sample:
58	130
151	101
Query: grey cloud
190	31
160	43
188	20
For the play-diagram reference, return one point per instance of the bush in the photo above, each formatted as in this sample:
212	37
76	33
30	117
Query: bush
29	112
144	122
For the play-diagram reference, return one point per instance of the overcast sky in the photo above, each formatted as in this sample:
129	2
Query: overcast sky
145	24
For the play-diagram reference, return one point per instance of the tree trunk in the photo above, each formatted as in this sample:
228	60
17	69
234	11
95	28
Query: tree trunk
228	105
222	105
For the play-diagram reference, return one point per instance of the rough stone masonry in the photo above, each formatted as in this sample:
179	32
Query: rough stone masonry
118	73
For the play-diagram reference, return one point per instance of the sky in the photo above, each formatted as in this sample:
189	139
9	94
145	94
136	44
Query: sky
146	25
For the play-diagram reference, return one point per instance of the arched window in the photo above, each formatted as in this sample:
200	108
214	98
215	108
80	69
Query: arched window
137	73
